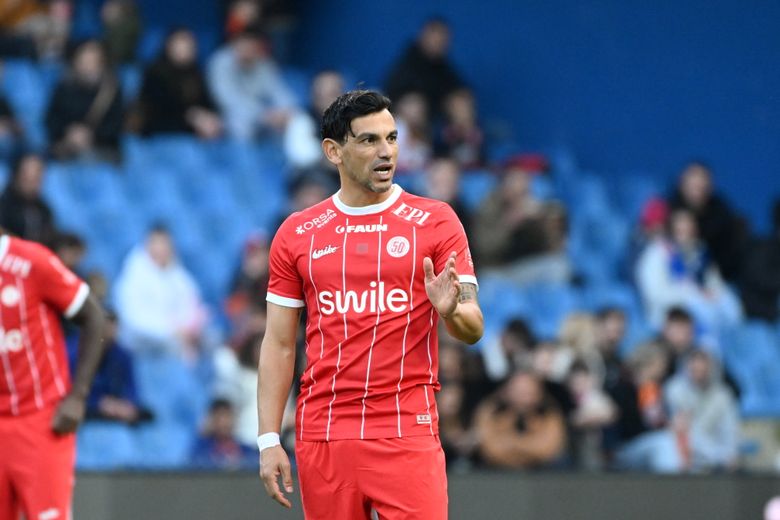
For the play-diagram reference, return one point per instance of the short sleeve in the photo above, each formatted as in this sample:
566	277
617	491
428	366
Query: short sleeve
453	238
285	286
58	286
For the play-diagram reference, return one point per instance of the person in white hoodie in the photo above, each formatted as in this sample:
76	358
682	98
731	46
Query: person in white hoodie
157	299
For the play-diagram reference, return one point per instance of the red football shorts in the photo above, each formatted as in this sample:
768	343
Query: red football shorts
400	478
36	468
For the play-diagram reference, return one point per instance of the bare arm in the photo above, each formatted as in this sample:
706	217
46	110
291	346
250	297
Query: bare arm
455	302
275	373
70	411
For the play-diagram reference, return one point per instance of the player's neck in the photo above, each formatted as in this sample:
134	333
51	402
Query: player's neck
358	197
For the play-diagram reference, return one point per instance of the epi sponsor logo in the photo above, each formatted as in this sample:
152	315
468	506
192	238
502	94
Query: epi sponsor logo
411	214
316	222
398	246
360	228
10	340
327	250
423	418
374	299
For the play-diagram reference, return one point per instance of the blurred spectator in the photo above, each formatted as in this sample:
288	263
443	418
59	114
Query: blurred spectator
174	96
760	281
11	131
593	411
578	340
276	17
158	301
425	68
519	236
306	191
718	226
677	339
520	427
121	30
248	87
23	210
114	396
250	282
70	248
513	349
35	29
442	182
217	448
678	270
610	333
640	434
86	112
705	414
242	14
414	132
302	140
461	136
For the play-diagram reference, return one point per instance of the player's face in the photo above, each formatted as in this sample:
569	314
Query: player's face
369	155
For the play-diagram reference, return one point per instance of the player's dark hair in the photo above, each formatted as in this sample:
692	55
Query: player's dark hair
679	314
337	119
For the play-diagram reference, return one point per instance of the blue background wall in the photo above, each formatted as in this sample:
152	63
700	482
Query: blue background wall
628	86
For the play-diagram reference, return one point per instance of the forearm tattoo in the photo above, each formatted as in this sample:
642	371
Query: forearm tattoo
468	292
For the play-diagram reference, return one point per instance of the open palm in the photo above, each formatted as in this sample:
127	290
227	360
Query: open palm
442	289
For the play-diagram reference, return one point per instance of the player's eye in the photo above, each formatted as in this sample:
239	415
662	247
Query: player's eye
392	138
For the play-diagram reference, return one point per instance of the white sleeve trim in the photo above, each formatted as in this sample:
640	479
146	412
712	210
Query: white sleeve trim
284	301
78	301
468	278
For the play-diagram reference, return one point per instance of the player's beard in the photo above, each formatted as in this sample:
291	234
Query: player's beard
368	183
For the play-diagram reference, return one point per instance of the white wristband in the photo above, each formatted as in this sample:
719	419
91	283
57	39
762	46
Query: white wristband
267	440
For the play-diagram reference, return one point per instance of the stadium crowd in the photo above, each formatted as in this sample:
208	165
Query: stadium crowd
572	374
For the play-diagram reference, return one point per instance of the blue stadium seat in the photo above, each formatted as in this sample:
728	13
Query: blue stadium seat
550	304
475	186
105	445
130	77
164	445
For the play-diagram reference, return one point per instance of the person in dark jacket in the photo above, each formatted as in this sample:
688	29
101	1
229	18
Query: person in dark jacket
174	96
719	226
424	68
760	281
85	116
23	211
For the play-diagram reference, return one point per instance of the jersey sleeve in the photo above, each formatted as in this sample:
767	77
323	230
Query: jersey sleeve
453	238
285	285
58	286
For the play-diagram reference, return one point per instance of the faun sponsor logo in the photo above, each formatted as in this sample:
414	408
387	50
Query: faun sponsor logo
368	228
411	214
319	253
371	300
316	222
11	340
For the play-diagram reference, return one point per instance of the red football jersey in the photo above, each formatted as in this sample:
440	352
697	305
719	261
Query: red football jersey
371	342
35	290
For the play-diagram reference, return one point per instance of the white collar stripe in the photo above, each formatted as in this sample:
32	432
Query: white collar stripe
368	210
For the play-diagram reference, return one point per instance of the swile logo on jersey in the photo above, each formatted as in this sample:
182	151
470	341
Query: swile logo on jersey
373	300
319	253
317	222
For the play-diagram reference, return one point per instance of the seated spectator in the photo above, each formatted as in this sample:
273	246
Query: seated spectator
719	227
414	132
242	14
174	97
461	136
425	68
593	411
512	350
302	140
306	191
35	29
11	131
760	281
250	282
678	271
158	301
86	113
276	17
113	396
122	29
23	210
248	87
641	438
70	248
217	447
442	182
520	427
706	415
610	334
519	236
578	340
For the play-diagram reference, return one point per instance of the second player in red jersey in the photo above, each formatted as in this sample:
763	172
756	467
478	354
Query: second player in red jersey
376	268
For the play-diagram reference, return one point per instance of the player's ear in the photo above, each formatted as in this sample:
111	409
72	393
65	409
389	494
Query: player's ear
332	151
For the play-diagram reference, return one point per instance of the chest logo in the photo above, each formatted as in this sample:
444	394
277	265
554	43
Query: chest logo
398	246
319	253
10	296
317	222
361	228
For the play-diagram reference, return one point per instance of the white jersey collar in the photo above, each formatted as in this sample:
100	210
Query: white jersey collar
5	242
368	210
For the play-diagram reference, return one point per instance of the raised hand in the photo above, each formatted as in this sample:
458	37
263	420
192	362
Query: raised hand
442	289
